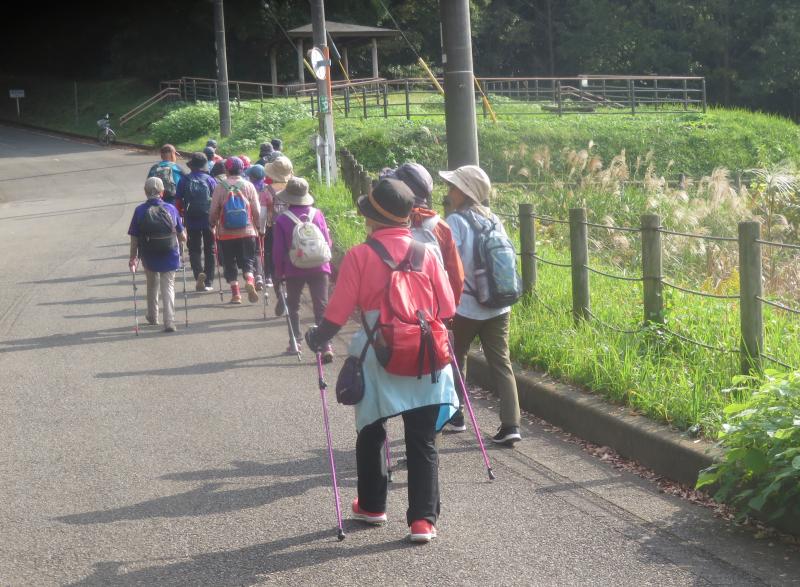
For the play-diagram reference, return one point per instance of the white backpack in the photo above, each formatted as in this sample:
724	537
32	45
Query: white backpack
424	233
309	248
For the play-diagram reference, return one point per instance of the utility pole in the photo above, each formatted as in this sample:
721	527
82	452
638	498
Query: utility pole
459	84
222	70
324	89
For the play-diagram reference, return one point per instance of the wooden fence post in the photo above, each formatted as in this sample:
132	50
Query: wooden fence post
579	255
408	102
750	290
364	100
652	284
527	241
366	184
386	100
632	96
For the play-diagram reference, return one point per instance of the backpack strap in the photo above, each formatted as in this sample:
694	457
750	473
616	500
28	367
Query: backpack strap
291	216
381	251
414	259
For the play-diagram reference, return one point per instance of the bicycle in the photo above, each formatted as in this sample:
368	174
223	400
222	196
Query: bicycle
105	134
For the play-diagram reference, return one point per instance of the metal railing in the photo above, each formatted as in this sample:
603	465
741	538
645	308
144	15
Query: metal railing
412	97
164	94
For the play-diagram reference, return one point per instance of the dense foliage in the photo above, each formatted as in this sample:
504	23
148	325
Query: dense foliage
760	472
749	50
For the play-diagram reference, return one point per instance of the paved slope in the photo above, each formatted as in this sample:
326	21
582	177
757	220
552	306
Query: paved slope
199	458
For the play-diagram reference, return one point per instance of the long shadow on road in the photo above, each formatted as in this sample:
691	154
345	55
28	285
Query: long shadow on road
210	499
120	333
244	566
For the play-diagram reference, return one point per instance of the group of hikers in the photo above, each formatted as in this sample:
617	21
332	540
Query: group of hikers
424	286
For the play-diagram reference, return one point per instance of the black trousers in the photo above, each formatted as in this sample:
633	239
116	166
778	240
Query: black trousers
238	252
201	253
317	287
264	261
423	465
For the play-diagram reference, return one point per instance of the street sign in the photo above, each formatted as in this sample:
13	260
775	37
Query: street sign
16	94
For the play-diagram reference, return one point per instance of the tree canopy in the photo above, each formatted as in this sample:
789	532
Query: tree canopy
748	50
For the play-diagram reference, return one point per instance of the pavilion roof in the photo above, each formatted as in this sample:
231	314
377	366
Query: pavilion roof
347	30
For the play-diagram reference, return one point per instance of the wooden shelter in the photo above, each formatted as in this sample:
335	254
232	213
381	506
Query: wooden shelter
345	35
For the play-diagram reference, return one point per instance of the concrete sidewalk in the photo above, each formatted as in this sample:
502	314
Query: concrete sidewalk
199	458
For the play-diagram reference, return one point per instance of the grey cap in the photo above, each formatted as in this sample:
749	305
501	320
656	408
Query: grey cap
153	187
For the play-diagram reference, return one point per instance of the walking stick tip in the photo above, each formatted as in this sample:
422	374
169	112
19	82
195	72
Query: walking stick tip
491	474
340	535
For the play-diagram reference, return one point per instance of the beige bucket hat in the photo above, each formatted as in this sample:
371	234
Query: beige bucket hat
470	179
296	193
279	170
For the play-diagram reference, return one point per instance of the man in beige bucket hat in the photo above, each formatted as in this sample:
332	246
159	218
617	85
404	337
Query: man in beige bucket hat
469	190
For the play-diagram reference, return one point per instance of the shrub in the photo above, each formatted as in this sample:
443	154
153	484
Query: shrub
185	124
760	473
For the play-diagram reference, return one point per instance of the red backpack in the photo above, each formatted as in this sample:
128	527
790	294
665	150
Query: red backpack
409	338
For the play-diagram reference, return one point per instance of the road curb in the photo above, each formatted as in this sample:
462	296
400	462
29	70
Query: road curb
653	445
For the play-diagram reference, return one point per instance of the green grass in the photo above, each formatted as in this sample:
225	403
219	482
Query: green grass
50	103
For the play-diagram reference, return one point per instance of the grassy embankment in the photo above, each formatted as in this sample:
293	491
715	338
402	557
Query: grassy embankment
616	167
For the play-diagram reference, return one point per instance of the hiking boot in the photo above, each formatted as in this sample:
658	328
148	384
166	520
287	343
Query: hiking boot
507	435
236	296
208	288
291	350
374	518
200	284
456	423
259	285
421	531
170	328
327	355
152	321
250	286
268	282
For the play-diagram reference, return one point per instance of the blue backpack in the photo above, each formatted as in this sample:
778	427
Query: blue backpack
497	282
197	201
236	209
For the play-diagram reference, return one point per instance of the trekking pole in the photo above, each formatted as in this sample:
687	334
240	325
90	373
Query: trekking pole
264	275
135	307
295	346
471	413
389	470
322	391
219	265
185	297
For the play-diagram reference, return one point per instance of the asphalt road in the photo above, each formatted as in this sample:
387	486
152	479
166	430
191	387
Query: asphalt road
199	458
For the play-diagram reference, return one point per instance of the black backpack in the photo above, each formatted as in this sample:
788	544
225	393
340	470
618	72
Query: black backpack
497	282
157	233
197	201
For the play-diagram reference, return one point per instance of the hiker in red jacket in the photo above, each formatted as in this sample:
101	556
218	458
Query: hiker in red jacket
426	403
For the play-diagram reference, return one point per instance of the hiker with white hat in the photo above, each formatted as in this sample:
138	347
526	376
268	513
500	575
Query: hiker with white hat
469	190
301	254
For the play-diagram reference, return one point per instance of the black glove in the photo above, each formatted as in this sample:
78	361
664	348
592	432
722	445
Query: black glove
317	336
311	340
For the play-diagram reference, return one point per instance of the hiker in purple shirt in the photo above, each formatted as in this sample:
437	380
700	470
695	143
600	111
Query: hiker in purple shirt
156	230
297	265
194	203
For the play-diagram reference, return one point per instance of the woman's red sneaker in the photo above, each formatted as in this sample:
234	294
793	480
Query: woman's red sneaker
422	531
373	518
